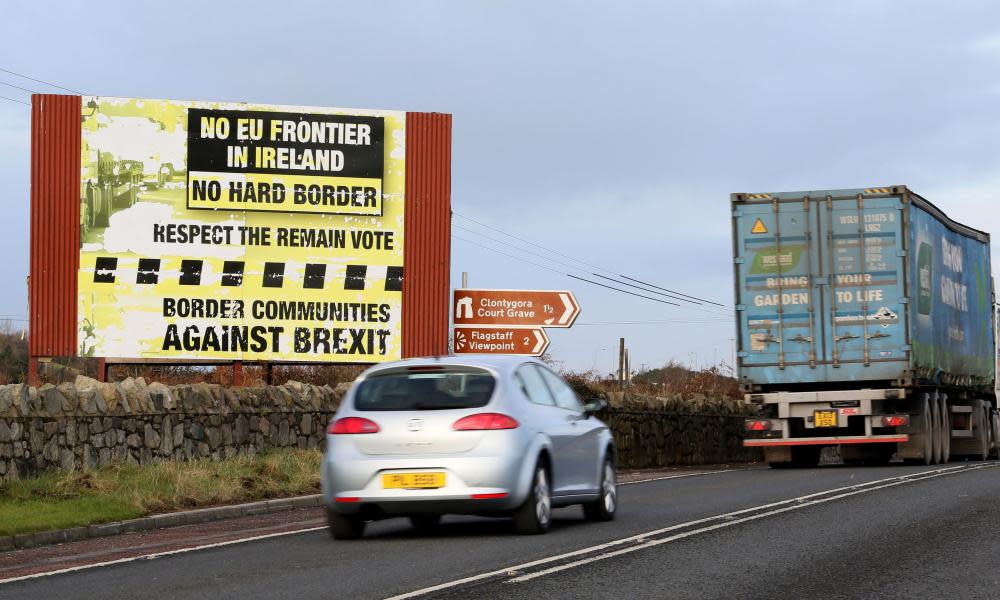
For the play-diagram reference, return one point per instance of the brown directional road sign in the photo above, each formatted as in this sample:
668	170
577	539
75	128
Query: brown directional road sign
529	341
515	308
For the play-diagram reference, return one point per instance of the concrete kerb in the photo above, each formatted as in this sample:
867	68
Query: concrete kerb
174	519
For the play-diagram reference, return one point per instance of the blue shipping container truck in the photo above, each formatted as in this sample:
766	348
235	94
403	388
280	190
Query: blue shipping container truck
865	320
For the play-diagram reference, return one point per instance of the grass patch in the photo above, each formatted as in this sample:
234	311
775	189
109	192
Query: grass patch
63	499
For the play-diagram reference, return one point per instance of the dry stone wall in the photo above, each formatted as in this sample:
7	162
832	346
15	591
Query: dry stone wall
678	429
86	424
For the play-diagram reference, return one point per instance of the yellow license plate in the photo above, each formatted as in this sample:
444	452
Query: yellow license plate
412	480
825	418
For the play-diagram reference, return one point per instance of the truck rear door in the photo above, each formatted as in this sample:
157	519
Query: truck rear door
820	290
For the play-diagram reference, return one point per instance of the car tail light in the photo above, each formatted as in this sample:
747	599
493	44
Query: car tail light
896	421
483	421
347	499
758	425
351	425
496	496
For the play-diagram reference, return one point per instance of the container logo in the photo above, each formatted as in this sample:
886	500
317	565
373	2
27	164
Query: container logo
769	260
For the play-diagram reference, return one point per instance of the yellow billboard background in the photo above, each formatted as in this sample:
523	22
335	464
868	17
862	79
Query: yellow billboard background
133	191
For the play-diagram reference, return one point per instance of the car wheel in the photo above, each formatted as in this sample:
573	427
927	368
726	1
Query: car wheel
425	521
534	516
603	509
345	527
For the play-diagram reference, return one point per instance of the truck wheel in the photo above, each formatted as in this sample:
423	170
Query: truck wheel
926	433
945	429
935	431
980	426
995	434
344	527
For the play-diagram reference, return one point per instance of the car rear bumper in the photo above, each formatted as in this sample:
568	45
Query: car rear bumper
476	483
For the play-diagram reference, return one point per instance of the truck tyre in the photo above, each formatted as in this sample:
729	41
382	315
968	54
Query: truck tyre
935	430
344	527
980	430
945	413
535	515
995	434
926	435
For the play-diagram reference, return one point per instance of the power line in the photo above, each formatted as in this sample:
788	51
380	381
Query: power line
571	266
561	273
17	87
13	100
556	252
41	81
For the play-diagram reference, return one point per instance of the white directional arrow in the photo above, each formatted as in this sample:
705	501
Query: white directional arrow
542	342
570	309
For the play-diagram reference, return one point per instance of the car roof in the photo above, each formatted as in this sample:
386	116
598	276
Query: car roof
501	363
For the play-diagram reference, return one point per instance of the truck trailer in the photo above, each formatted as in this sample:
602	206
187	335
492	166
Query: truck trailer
865	320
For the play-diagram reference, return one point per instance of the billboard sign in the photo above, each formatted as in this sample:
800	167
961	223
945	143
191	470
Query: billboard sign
230	231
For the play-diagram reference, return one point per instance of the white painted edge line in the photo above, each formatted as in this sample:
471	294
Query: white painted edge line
641	536
157	555
252	539
675	476
693	532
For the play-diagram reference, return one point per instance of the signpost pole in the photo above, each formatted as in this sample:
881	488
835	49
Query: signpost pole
465	279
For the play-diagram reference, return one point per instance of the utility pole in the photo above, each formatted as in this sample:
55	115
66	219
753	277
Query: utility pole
621	362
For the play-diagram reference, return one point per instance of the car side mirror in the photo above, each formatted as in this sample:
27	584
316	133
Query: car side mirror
594	405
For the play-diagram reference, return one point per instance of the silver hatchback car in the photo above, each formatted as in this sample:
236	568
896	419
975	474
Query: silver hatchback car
482	435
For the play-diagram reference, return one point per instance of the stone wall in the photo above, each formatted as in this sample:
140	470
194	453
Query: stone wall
688	429
86	424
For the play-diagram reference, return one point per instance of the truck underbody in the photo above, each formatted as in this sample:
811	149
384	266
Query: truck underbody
924	425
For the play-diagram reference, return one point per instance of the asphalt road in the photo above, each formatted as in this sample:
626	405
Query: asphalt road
830	532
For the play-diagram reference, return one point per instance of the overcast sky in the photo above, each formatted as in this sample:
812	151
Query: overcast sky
611	133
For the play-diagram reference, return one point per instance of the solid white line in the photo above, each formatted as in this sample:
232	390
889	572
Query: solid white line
618	542
157	555
675	476
686	534
240	541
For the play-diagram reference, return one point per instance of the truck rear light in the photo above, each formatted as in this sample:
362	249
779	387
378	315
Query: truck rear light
496	496
895	421
352	425
758	425
484	421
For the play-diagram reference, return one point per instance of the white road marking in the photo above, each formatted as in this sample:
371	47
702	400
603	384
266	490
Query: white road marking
795	502
728	523
157	555
248	539
675	476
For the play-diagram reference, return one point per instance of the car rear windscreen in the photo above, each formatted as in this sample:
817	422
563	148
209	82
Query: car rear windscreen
433	390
